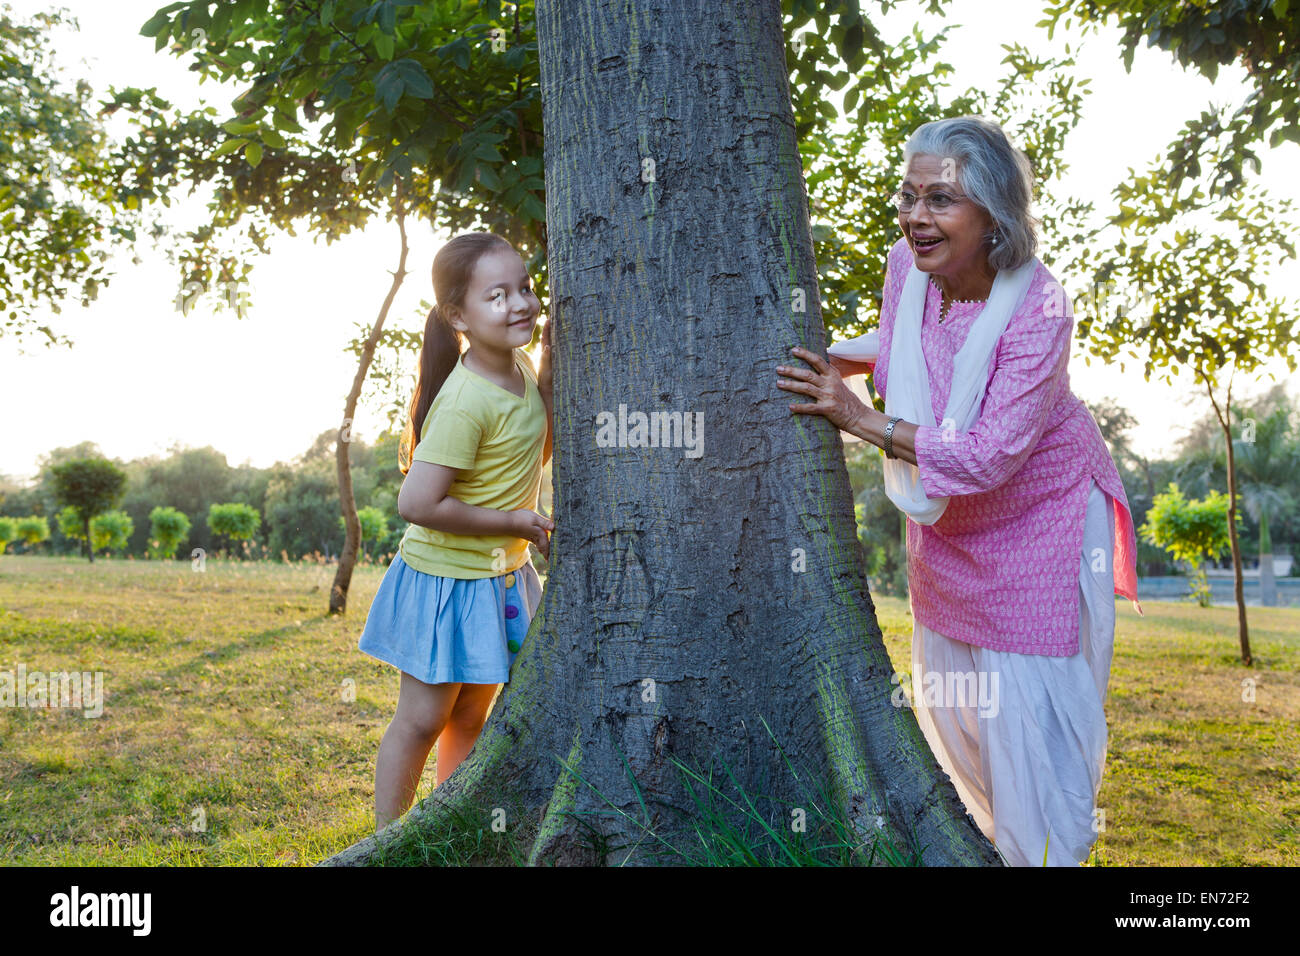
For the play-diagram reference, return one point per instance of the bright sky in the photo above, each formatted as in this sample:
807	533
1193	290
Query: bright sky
141	376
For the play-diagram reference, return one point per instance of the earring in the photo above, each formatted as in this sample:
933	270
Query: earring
996	238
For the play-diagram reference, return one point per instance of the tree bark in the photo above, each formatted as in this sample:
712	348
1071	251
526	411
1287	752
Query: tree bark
705	612
343	464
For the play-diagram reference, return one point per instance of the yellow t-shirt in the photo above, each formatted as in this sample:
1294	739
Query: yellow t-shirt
495	439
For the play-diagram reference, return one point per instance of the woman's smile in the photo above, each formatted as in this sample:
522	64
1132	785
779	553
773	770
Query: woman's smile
924	245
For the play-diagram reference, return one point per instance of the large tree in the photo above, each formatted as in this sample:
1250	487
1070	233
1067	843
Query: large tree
706	616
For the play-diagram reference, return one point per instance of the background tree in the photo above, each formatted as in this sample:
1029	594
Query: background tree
1267	458
8	532
882	528
1192	293
71	526
302	510
168	528
110	531
236	522
32	530
190	480
88	486
58	216
1191	531
374	528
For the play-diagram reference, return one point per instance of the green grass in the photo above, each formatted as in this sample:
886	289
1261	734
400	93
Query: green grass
225	695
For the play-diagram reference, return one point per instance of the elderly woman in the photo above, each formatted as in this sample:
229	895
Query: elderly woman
1020	533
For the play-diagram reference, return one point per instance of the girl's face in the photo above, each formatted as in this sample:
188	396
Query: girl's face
500	307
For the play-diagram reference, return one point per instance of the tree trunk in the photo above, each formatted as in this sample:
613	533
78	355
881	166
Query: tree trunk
343	464
704	612
90	545
1267	580
1239	586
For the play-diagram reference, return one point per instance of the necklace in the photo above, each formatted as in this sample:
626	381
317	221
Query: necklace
943	309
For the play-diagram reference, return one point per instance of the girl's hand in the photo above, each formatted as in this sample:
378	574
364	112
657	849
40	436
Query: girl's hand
833	399
533	527
545	378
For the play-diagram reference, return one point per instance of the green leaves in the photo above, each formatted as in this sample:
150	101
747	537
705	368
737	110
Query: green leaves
229	146
457	51
155	24
399	78
61	207
1258	35
1191	531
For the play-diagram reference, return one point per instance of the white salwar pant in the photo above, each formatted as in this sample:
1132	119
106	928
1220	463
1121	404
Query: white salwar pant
1027	758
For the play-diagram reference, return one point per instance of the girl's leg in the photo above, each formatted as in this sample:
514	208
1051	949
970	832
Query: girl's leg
466	721
422	712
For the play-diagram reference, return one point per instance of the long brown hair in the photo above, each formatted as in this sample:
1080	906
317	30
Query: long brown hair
452	268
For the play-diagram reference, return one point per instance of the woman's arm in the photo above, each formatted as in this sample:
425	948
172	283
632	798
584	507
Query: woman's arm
1032	362
423	500
847	367
870	426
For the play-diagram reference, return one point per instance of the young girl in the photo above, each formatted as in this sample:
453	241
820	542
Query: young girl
455	604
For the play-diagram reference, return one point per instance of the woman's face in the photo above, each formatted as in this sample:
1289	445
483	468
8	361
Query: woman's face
500	307
950	243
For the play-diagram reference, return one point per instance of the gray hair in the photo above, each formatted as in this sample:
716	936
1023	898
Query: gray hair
995	174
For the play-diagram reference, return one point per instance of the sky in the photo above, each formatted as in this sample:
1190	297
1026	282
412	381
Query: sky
142	377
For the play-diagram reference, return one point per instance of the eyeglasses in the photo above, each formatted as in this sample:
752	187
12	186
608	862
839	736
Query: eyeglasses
939	202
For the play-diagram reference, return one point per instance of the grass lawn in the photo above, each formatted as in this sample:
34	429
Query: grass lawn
230	734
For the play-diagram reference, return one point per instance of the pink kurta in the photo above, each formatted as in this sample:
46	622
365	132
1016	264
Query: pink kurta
1000	568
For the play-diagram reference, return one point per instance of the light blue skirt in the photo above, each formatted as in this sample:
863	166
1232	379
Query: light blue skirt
451	630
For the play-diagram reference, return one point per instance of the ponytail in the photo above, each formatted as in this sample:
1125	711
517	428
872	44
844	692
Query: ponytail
438	356
453	267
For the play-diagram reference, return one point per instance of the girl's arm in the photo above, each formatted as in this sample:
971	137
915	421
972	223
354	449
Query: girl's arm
423	500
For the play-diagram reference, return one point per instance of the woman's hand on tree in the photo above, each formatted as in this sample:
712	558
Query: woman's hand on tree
533	527
832	399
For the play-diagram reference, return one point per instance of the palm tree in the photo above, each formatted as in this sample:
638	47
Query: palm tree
1267	469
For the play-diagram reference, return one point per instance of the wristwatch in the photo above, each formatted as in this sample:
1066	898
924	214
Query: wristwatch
889	437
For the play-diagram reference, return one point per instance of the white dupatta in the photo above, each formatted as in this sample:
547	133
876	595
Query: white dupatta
909	379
